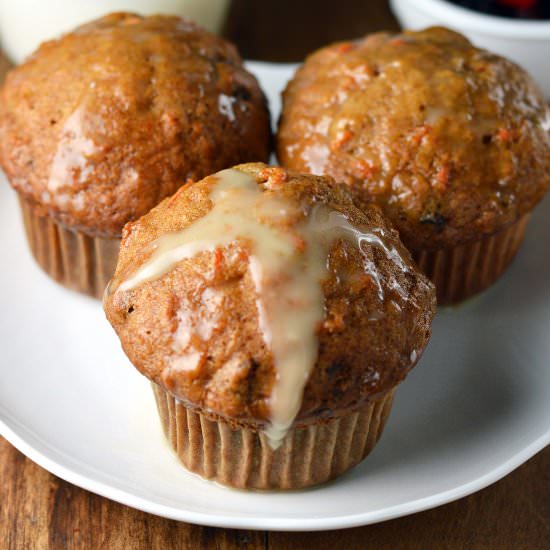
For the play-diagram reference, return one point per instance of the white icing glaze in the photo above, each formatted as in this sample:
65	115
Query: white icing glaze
287	263
194	329
434	113
71	155
225	106
316	158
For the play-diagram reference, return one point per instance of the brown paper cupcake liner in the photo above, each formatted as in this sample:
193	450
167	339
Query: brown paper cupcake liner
463	271
242	458
72	258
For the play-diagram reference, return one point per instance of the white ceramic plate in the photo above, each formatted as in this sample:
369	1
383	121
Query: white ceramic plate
474	409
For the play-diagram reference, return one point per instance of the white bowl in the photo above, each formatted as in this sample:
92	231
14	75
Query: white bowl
527	42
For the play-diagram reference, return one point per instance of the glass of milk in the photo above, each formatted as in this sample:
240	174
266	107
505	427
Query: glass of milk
24	24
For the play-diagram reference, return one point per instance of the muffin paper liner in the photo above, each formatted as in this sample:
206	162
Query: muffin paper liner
72	258
242	458
463	271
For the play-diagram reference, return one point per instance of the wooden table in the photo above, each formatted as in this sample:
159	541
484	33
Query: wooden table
39	510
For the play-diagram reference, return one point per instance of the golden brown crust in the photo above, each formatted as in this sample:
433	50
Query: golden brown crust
98	126
366	346
452	141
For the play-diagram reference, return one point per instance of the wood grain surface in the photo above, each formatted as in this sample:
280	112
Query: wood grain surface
40	511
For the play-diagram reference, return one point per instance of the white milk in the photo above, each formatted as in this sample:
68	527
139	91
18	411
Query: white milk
24	24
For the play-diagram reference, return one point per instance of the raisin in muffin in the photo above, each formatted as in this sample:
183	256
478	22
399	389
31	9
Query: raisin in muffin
275	320
453	143
99	126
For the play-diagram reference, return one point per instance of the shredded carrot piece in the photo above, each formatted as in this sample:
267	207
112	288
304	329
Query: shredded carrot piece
504	134
275	174
341	139
127	229
366	169
348	83
299	243
175	196
335	322
419	133
218	258
443	175
243	255
344	47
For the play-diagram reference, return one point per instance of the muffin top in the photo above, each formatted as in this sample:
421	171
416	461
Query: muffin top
266	297
450	140
99	126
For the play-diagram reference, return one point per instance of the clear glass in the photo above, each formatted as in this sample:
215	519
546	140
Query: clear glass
24	24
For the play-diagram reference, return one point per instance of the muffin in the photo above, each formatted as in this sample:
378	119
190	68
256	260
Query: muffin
274	319
99	126
451	141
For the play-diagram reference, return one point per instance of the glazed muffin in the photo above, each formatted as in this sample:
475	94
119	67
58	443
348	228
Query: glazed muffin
451	141
99	126
274	319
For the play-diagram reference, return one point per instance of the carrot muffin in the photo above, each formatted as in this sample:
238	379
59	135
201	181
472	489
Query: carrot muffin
99	126
275	320
451	141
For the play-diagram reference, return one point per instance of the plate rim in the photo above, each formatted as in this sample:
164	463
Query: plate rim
125	497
